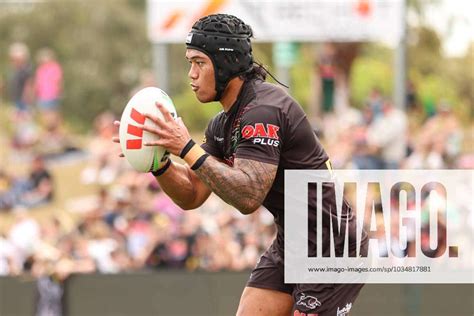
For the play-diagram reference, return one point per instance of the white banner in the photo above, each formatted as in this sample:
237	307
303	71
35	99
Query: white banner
420	226
169	21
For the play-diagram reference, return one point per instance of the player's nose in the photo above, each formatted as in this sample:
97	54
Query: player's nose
193	74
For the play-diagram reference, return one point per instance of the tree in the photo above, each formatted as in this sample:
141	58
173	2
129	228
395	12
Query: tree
102	46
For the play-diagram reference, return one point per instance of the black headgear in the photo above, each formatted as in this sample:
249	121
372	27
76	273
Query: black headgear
226	40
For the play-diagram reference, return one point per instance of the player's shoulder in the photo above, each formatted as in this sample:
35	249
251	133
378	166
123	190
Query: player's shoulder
271	97
268	93
218	117
216	121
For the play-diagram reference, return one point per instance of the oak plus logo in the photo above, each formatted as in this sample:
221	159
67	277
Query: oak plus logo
139	118
262	134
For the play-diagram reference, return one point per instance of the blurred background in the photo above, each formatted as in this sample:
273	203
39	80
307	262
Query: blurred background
74	216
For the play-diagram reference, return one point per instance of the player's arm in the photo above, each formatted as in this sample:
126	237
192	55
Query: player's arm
244	186
182	185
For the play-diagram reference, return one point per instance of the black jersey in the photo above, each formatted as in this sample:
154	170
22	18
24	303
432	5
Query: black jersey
267	125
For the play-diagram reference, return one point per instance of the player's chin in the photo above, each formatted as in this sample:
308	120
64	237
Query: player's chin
204	98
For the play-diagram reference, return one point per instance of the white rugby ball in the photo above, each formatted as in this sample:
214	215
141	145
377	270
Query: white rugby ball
143	158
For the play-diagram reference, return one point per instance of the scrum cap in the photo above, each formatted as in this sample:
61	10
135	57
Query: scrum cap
226	40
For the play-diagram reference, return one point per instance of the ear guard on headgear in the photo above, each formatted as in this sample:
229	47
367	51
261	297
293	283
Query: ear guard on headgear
226	40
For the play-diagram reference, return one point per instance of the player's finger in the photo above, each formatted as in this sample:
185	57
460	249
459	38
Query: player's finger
166	114
117	123
152	129
155	119
158	142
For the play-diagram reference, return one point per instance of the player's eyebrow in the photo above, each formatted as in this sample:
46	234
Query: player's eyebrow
194	57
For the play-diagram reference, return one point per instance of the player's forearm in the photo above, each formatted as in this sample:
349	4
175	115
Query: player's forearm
177	184
236	187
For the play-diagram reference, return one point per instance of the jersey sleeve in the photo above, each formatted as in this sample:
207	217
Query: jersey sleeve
261	133
209	143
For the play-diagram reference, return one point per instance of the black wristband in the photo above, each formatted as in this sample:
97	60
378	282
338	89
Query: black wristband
199	162
162	170
187	148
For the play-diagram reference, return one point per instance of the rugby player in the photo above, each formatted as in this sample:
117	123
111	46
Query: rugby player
260	132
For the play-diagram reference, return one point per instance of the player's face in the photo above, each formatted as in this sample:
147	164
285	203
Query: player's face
201	73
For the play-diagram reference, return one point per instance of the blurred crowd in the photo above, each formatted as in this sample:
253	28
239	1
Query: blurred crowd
134	227
381	136
34	87
131	224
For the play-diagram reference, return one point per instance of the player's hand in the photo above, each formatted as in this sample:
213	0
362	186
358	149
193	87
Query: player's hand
173	134
116	139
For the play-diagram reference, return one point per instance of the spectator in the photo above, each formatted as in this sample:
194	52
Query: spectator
103	168
7	255
375	104
327	75
7	195
23	235
101	245
48	86
438	143
444	131
25	132
40	185
385	136
412	98
49	292
424	156
21	84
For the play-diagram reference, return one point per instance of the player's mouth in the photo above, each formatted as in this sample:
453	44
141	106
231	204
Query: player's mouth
194	87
